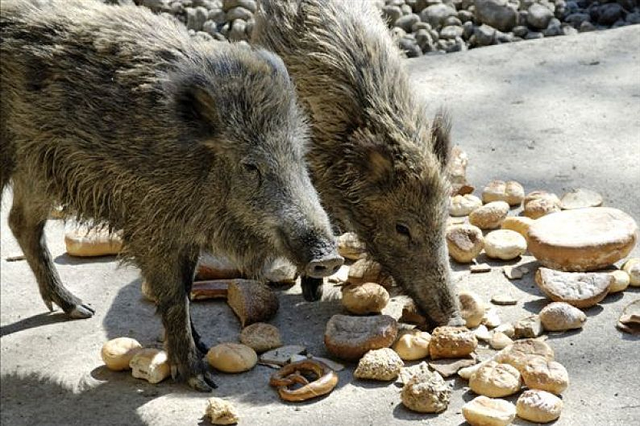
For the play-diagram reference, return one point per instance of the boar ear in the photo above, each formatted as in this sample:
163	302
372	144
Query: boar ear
441	137
374	157
197	107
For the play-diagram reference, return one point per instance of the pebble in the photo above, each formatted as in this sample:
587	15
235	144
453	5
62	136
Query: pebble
480	268
449	367
503	299
513	273
528	327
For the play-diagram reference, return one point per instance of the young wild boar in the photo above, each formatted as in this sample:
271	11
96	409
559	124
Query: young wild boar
182	144
377	162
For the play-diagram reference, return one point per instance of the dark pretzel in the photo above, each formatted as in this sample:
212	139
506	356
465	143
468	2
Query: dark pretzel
291	374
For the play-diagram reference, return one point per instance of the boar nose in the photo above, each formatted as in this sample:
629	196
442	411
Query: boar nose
325	266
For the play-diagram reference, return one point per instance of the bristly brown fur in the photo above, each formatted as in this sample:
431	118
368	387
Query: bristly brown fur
376	160
181	144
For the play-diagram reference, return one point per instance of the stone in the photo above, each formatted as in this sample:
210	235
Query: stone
391	14
503	299
247	4
349	337
491	318
520	31
539	16
483	411
533	35
452	342
580	289
489	216
451	32
350	246
528	327
471	308
379	364
579	199
485	35
512	272
480	268
520	224
464	242
629	320
426	393
407	22
554	28
504	244
499	340
238	13
424	40
466	16
561	316
495	380
196	18
538	406
499	14
463	205
449	367
621	281
586	26
366	298
238	30
435	14
583	239
409	47
511	192
576	19
550	376
482	333
632	267
609	13
281	356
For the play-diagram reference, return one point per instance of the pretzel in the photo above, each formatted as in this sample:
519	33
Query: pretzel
291	374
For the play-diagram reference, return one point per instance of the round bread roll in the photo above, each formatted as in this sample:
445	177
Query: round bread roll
483	411
511	192
471	308
232	357
621	280
504	244
261	337
538	406
117	353
535	209
550	376
579	199
582	239
632	267
495	380
412	344
465	242
561	316
489	216
536	195
520	224
92	242
367	298
463	205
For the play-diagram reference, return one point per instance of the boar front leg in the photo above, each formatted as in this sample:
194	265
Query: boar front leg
170	280
27	219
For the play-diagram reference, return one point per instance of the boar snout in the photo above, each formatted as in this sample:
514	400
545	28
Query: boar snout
325	266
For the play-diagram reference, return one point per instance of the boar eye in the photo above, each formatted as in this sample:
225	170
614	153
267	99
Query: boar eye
250	167
403	230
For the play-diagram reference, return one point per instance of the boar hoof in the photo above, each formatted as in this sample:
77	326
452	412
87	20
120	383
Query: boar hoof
311	288
81	312
202	382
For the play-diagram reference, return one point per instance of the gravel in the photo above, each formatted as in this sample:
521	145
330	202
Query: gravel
425	26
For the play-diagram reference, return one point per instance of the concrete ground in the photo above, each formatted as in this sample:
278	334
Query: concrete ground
552	114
